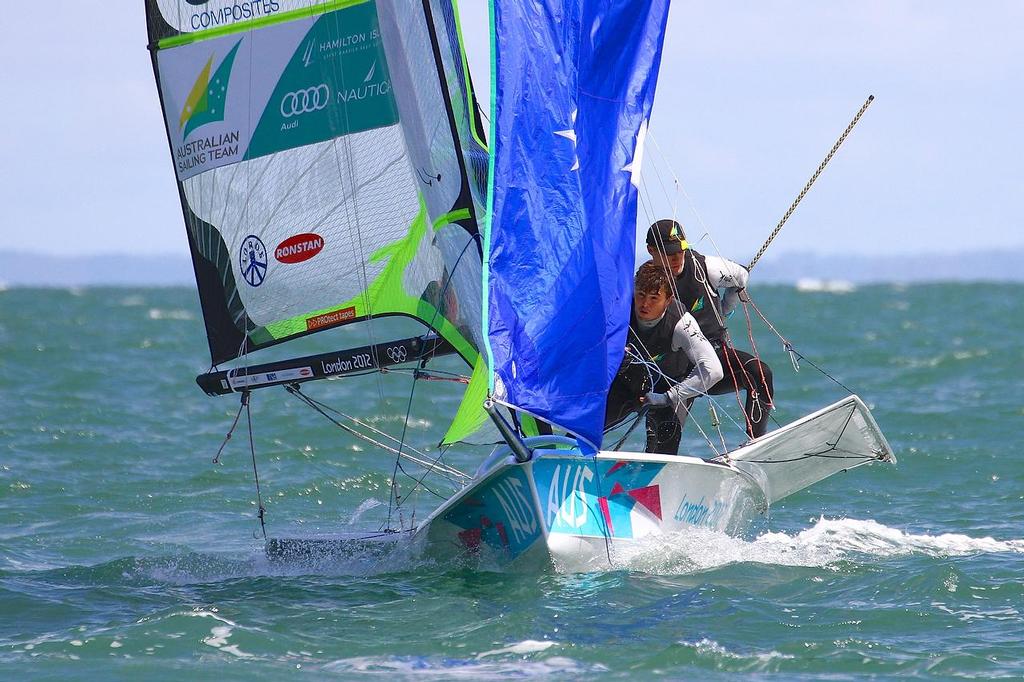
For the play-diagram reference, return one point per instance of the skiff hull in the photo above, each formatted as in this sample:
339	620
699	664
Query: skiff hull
570	510
573	511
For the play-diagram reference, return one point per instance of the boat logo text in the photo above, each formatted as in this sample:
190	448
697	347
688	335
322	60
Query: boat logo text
305	101
206	104
341	365
516	505
330	319
299	248
699	513
241	10
252	260
567	496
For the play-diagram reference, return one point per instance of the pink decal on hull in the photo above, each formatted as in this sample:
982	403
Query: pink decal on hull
607	514
649	497
615	467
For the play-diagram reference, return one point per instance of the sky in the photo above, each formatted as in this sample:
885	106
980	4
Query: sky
751	97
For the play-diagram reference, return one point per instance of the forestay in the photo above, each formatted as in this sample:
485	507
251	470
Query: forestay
326	162
573	87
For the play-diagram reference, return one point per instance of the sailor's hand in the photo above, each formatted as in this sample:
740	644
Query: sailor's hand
743	294
656	399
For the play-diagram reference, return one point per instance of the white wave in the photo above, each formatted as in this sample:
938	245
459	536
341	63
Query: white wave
432	668
711	648
825	543
873	538
830	286
158	314
527	646
219	634
365	506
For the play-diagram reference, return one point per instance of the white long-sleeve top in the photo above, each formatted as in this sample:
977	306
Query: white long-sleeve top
707	368
729	276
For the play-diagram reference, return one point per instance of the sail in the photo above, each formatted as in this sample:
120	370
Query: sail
326	162
573	87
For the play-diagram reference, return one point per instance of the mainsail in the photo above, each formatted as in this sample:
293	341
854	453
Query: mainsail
572	93
329	165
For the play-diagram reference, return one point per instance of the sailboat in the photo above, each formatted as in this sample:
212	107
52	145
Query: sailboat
334	169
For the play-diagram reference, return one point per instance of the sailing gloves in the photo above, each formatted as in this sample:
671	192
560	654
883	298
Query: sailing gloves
657	399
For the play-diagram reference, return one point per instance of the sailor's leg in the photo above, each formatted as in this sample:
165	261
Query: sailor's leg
663	431
759	396
745	372
621	402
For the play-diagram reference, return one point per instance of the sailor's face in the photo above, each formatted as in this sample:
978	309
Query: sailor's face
650	305
673	262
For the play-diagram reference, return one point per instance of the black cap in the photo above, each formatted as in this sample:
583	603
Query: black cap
666	236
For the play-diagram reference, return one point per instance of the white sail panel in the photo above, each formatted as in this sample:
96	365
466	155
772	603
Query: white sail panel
321	175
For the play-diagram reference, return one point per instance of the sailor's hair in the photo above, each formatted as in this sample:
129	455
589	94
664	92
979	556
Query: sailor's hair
652	277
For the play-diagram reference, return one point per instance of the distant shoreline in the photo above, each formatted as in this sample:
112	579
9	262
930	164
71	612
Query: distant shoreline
808	270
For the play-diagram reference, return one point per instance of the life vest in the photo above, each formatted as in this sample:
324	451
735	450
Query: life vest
656	343
695	294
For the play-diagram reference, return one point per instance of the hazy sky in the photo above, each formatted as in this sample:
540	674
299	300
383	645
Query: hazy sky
751	97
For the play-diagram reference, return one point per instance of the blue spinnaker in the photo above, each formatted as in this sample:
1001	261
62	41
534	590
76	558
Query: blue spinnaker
573	83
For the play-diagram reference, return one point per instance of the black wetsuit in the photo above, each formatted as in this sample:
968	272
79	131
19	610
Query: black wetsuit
742	370
632	381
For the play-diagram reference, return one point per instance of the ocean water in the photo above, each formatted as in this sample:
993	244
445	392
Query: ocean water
125	552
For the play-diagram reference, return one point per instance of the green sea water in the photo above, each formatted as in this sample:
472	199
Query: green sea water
125	553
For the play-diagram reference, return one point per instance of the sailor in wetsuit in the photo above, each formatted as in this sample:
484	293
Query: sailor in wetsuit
698	279
668	362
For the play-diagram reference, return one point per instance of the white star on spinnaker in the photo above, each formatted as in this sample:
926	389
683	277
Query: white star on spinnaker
634	166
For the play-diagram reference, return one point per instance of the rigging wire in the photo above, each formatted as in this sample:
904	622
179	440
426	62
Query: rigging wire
231	430
807	187
245	403
394	500
422	459
246	400
653	368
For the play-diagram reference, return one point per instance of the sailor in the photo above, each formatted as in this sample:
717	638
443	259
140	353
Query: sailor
668	362
698	279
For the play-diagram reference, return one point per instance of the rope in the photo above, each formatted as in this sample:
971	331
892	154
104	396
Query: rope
452	474
394	500
652	367
639	415
227	437
807	187
797	355
256	474
832	447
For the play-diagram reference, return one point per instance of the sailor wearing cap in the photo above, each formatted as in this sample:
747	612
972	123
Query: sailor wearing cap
709	288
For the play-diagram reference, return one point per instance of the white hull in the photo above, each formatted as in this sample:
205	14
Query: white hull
574	512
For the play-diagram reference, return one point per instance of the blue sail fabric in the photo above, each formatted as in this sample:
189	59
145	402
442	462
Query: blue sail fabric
572	88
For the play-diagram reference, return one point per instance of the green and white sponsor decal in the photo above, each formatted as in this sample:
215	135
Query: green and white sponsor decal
301	82
336	83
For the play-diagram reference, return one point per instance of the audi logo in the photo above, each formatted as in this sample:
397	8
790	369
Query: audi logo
397	353
305	101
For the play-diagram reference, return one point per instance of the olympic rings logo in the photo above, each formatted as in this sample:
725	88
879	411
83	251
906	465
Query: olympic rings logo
397	353
305	101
